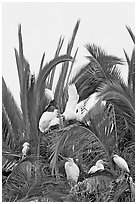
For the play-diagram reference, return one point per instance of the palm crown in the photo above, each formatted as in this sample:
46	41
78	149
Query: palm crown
96	137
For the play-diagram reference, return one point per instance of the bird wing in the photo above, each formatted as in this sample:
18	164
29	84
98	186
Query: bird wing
121	163
91	101
92	169
54	121
72	101
72	171
24	150
45	120
73	98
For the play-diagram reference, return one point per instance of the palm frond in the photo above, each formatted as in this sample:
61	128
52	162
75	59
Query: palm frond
48	67
60	43
24	79
12	121
117	91
42	61
101	62
121	97
64	70
81	138
131	70
70	70
131	33
85	81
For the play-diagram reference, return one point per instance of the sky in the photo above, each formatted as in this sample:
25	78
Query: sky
43	23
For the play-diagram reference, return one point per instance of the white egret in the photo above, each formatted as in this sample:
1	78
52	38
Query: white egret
75	110
72	171
49	94
99	166
73	97
26	147
48	119
121	163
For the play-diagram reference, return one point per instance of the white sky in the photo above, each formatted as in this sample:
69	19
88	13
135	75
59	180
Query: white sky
43	24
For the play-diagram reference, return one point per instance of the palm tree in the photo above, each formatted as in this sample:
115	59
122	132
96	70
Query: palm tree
41	175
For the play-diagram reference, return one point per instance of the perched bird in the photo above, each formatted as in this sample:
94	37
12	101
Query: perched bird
72	171
99	166
121	163
48	119
26	147
49	94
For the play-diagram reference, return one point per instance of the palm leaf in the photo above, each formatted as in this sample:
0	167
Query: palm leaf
101	62
70	70
64	70
60	43
24	77
131	33
131	70
42	61
119	95
117	91
79	136
48	67
12	122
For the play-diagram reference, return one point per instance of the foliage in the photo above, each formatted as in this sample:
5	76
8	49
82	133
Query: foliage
105	129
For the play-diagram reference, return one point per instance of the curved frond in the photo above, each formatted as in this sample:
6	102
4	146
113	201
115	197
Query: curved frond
81	138
131	33
101	62
117	91
48	67
121	97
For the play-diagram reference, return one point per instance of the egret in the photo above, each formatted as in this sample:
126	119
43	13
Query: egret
75	110
99	166
72	171
121	163
49	94
26	147
73	97
48	119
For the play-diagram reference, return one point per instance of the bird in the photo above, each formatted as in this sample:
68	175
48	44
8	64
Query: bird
75	110
70	109
72	171
26	147
49	94
121	163
98	166
48	119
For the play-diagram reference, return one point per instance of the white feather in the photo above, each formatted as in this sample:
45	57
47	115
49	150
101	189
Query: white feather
121	162
45	120
73	97
25	148
99	166
72	170
93	169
